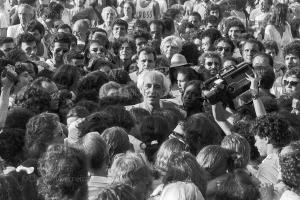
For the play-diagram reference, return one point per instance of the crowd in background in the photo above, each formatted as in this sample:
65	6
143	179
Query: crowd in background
109	100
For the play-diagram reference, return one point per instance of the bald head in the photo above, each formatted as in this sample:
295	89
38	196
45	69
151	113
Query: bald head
80	29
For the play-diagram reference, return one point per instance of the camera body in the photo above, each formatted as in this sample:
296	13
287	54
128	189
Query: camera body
228	84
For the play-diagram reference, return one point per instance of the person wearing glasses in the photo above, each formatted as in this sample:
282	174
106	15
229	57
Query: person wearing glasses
224	47
210	64
291	82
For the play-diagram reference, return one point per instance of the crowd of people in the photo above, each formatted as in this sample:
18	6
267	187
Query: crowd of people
127	100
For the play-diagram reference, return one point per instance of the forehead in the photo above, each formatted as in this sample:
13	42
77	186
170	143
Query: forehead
28	44
249	45
229	62
25	10
145	55
205	39
61	45
235	28
291	56
292	78
211	59
223	43
153	79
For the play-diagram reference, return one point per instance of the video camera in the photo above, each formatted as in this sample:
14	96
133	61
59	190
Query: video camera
228	84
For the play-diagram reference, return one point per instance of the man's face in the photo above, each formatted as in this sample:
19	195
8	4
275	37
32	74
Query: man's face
156	31
271	52
7	47
192	98
215	13
296	107
125	52
234	33
206	44
224	50
249	50
37	35
140	43
59	50
30	69
212	65
291	85
261	61
145	61
152	89
119	31
24	79
25	15
29	48
181	81
292	61
194	20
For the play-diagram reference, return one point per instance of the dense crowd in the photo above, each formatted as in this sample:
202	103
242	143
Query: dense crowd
150	100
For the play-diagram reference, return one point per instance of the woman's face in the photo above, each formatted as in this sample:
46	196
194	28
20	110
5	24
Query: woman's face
125	52
97	51
192	97
109	16
170	50
127	10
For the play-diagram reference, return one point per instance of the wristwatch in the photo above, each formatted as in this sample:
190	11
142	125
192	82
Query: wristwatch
254	94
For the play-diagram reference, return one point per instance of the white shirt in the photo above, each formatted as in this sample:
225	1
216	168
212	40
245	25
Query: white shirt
289	195
14	31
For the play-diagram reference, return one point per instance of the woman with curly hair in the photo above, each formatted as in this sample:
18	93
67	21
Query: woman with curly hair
63	174
124	48
271	134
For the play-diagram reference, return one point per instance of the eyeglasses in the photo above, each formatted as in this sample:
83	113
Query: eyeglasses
226	49
291	83
212	63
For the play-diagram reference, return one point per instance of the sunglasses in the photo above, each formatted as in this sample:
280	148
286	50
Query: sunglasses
226	49
212	63
291	83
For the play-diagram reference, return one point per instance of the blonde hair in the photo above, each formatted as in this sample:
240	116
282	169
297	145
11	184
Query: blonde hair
106	10
174	40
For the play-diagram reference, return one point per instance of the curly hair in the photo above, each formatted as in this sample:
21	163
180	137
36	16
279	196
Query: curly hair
290	165
120	22
67	76
234	23
18	118
63	173
183	166
274	128
292	48
271	44
104	90
117	192
25	38
123	40
9	188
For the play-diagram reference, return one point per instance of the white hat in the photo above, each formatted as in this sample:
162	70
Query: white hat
178	60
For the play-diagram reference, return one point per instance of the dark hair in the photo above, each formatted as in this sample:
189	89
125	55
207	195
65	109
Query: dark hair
97	64
74	55
212	7
118	44
234	23
95	30
90	84
142	23
293	72
64	26
264	55
131	93
120	76
60	38
200	132
168	23
117	192
172	12
90	106
9	188
172	115
292	48
261	47
141	34
225	40
67	76
184	25
63	173
190	52
271	44
190	74
279	14
273	127
238	186
295	24
18	118
212	34
183	166
17	55
211	19
266	76
158	22
147	50
11	145
154	131
120	22
36	25
4	40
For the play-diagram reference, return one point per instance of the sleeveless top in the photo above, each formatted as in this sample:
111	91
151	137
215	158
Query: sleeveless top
146	13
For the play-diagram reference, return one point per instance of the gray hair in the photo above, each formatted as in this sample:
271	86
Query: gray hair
166	82
26	6
174	40
107	9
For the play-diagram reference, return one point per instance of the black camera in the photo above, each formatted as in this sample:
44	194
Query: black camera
228	83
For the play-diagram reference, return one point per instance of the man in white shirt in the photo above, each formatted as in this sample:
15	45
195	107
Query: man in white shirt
25	13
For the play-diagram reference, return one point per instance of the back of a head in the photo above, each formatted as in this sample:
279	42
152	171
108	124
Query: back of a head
117	192
63	173
18	118
238	186
9	188
181	191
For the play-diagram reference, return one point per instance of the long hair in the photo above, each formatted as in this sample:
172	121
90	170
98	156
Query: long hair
279	14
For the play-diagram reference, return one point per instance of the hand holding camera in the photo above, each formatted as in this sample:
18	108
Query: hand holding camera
9	77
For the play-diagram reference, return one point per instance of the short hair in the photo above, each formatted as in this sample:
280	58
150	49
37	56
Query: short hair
240	145
212	34
196	14
183	166
225	40
142	24
117	192
67	76
65	26
165	82
234	23
238	185
158	23
147	50
117	141
184	25
63	173
292	48
174	40
60	38
273	127
261	47
118	44
120	22
130	168
271	44
95	150
26	6
108	9
293	72
36	25
106	87
95	30
212	7
141	34
209	54
211	19
25	38
4	40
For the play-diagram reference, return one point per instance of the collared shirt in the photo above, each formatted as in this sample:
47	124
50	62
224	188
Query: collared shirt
96	184
269	169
